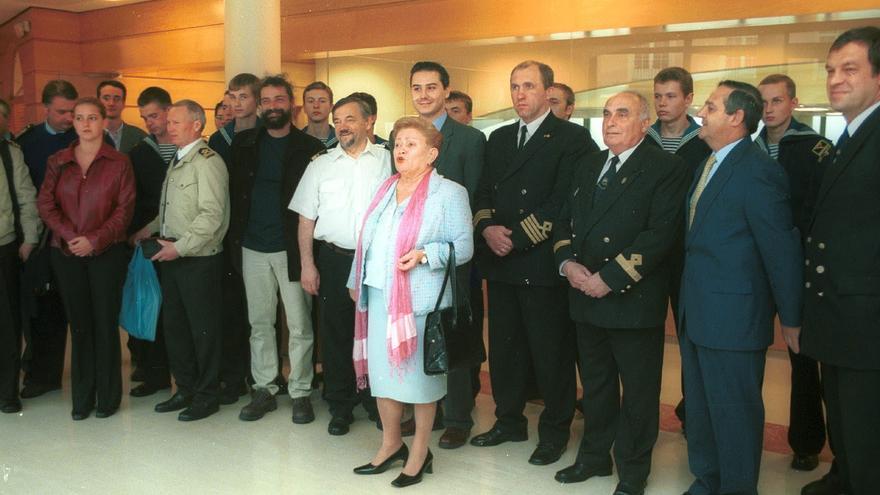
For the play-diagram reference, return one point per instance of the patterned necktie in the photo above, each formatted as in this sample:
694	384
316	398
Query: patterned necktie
522	137
698	191
606	179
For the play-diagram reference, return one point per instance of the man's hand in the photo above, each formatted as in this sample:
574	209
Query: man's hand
792	336
167	253
410	260
352	295
576	274
596	287
25	250
310	279
80	246
498	239
138	236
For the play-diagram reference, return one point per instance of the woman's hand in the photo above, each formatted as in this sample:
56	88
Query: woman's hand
80	246
352	295
410	260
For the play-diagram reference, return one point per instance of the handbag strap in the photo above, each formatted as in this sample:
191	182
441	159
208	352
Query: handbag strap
450	273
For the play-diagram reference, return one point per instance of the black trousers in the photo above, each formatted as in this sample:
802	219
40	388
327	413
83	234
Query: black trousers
236	351
192	315
853	401
91	288
463	385
10	323
45	322
529	328
806	426
337	334
630	422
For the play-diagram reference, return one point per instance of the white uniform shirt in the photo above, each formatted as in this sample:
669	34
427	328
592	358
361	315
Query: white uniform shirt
336	190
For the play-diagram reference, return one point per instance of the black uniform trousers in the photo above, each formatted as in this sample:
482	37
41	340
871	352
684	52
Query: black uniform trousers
529	329
852	398
806	427
191	300
236	351
10	323
463	384
633	358
337	334
45	329
91	288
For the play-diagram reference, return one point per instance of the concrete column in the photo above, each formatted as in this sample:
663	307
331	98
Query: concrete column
252	37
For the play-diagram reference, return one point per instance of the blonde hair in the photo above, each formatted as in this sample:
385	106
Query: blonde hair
426	129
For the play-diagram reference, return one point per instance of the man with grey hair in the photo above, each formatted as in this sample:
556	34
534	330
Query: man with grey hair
331	199
621	217
193	218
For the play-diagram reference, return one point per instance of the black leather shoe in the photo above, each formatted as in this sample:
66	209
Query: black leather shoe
630	488
826	485
495	437
546	453
32	390
146	389
10	406
198	410
401	455
339	425
261	403
578	472
405	480
454	438
105	414
804	462
302	412
80	415
139	375
177	402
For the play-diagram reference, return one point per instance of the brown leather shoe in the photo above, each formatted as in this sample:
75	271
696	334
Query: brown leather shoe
454	438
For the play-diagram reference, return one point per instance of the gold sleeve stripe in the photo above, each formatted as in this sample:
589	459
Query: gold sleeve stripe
481	215
561	244
543	231
629	265
535	228
529	230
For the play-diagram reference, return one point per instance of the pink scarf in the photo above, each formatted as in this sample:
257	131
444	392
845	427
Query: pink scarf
401	334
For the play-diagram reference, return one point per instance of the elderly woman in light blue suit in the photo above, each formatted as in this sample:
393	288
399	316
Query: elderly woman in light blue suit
399	265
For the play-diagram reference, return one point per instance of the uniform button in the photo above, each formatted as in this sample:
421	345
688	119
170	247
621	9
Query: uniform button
573	236
821	245
629	286
495	186
575	255
523	192
820	269
527	281
606	260
622	291
606	240
807	262
521	211
820	294
807	285
809	240
170	180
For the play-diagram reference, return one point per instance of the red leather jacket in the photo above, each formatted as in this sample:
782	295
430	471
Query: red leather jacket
97	205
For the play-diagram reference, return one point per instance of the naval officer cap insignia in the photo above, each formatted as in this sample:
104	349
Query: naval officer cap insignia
207	152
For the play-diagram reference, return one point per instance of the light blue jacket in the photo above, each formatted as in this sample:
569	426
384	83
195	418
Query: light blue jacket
447	217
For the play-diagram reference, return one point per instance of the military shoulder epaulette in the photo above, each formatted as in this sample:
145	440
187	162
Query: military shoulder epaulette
11	143
206	152
316	155
822	149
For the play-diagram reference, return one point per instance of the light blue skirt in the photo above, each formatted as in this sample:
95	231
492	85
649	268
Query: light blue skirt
410	385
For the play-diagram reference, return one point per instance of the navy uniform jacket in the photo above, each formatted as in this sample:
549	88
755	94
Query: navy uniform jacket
626	237
221	140
692	149
523	190
742	253
842	301
803	154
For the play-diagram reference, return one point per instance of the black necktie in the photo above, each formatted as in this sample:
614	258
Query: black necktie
606	179
522	137
843	139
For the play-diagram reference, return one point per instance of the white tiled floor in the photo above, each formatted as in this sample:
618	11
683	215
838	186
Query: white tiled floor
42	451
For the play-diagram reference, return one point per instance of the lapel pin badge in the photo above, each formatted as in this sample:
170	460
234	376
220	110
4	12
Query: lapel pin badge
546	136
623	180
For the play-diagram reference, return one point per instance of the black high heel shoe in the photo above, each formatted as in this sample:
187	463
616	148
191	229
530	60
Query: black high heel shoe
402	454
407	480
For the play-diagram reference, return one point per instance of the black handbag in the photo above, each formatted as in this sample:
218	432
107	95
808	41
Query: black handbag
447	343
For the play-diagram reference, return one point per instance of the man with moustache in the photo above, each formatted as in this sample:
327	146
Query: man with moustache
193	218
149	160
267	164
743	264
615	232
370	100
460	160
842	305
803	154
460	107
317	103
331	199
526	176
112	94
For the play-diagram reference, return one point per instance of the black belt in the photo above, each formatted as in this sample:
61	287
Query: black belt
337	249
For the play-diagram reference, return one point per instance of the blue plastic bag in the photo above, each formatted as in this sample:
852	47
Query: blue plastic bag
141	298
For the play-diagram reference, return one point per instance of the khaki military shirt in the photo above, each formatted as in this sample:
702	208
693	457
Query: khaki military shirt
26	194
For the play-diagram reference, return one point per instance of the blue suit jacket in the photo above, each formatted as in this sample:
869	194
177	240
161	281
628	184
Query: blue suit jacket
447	217
743	257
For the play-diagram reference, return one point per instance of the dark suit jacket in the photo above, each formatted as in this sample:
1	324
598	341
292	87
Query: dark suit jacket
742	253
523	190
842	313
626	237
461	155
244	160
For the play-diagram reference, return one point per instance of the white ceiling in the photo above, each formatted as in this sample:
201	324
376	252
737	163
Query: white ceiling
9	8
